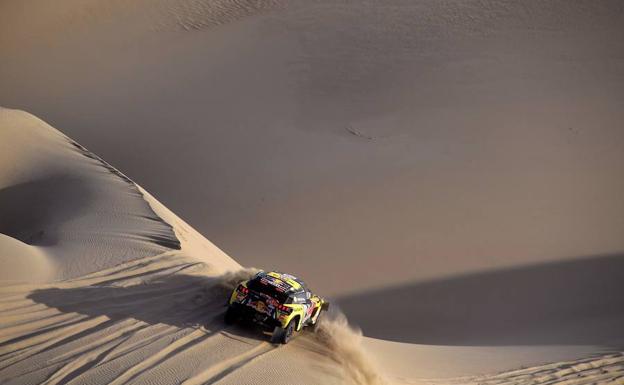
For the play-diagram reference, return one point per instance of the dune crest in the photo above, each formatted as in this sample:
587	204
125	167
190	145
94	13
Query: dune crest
101	312
70	205
127	292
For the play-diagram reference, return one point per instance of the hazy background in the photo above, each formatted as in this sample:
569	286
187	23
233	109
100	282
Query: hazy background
397	141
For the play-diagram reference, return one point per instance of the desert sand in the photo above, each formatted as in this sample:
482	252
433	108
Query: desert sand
450	137
449	173
155	315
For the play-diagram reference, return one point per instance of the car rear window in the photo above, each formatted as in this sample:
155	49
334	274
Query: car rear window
257	286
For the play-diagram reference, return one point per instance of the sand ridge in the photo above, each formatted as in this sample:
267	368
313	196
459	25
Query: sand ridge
448	170
157	319
152	319
70	205
498	140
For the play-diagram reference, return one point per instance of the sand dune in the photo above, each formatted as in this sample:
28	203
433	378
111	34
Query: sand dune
495	125
113	327
439	168
70	205
146	318
158	318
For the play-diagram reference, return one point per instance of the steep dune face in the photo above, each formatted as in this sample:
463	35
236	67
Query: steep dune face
157	318
142	304
360	144
447	136
70	205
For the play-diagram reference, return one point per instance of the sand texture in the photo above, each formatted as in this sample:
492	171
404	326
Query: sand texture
149	317
447	172
448	136
157	318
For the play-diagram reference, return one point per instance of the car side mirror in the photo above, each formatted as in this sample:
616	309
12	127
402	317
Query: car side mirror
325	306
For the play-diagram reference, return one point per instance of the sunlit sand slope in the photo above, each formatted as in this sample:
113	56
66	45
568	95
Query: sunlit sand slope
59	200
132	293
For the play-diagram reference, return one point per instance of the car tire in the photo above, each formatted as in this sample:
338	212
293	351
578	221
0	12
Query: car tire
283	335
231	316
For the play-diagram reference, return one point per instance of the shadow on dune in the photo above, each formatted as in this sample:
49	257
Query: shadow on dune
33	211
178	300
186	301
571	302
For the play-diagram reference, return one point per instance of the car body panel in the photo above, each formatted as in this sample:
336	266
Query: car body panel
266	309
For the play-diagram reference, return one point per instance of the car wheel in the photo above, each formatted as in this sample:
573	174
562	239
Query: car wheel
231	315
283	335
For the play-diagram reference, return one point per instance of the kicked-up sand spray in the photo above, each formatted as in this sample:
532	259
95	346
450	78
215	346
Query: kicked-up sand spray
342	340
344	344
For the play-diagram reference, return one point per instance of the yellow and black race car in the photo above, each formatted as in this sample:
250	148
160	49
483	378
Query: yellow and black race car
276	300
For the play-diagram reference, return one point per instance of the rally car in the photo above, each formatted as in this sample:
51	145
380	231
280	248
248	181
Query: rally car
278	301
